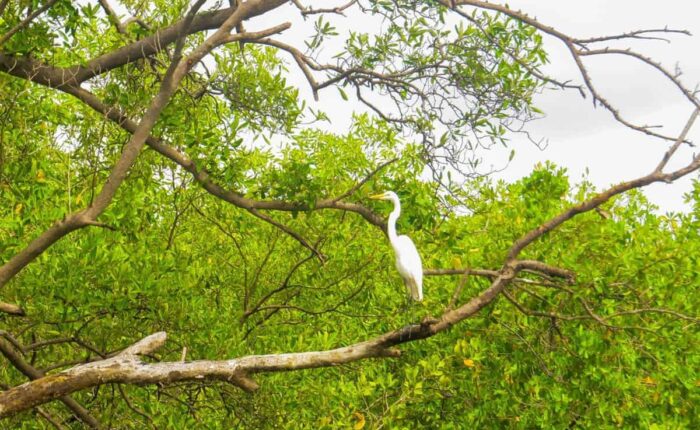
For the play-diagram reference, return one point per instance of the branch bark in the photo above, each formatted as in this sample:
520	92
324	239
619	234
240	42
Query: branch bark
127	368
28	370
11	309
58	77
573	45
176	72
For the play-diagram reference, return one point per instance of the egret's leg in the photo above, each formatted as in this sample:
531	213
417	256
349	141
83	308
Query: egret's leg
407	303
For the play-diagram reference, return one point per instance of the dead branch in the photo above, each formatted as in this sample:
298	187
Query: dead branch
34	374
571	43
11	309
127	368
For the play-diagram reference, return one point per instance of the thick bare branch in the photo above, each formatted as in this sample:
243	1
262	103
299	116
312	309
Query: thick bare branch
57	77
28	370
126	368
11	309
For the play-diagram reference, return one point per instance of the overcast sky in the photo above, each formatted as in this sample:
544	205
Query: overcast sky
579	136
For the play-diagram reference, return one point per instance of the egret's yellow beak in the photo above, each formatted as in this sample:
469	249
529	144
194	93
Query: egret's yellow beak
377	196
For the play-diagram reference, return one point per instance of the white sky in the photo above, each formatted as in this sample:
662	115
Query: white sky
578	136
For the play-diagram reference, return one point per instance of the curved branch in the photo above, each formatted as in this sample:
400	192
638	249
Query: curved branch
577	54
58	77
127	368
674	79
203	178
141	132
28	370
656	176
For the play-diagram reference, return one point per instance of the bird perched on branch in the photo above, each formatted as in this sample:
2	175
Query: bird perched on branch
408	261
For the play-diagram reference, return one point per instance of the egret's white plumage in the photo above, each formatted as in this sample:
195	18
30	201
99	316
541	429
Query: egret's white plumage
408	261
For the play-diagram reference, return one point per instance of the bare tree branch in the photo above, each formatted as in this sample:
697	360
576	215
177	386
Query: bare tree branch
308	10
656	176
571	44
11	309
112	16
637	34
27	369
672	150
126	368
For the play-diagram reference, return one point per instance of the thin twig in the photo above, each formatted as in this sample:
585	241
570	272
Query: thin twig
26	21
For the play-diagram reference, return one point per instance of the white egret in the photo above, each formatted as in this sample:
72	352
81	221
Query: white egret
408	261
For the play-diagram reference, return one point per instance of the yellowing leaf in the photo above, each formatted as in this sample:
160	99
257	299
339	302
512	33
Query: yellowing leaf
18	209
360	421
456	262
40	176
469	362
648	381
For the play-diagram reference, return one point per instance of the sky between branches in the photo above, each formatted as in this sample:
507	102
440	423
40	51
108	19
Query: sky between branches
577	136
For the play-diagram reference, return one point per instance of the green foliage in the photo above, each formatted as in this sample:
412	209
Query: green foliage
224	284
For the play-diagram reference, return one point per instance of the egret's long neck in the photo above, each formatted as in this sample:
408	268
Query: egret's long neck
391	228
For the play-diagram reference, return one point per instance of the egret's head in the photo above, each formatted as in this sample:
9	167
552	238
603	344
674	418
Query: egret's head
387	195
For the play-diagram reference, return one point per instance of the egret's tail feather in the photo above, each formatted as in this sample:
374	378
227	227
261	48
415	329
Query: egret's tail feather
414	289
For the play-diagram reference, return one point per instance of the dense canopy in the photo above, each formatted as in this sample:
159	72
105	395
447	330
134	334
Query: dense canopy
168	167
